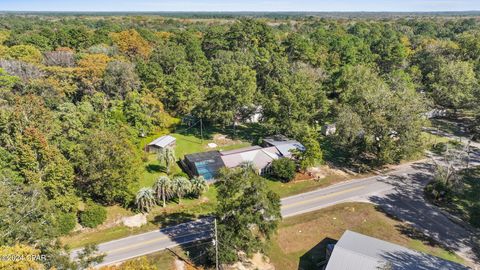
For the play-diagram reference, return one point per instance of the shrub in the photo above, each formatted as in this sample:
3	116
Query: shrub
437	191
66	222
475	215
93	215
284	169
180	174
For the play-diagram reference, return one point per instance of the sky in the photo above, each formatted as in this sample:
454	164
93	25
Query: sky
239	5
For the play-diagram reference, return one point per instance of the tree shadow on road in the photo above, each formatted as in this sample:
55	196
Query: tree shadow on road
195	240
423	166
415	234
407	203
414	260
171	219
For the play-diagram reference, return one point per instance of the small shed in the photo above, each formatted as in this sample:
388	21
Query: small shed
161	143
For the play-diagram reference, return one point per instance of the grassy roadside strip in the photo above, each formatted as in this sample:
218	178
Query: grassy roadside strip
174	213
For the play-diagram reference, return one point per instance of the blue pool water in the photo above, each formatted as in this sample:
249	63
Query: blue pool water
204	170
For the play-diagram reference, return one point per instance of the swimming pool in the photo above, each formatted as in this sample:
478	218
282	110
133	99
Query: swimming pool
205	169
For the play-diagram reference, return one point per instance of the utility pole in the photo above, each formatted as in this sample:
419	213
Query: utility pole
201	129
216	245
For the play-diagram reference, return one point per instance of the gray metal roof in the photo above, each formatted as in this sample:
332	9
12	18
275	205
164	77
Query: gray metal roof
241	150
284	144
287	148
361	252
260	157
277	140
163	141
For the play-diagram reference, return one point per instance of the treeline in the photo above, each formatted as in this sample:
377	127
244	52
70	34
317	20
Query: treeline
286	15
77	94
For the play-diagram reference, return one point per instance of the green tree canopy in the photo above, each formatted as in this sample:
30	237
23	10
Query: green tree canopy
248	213
107	167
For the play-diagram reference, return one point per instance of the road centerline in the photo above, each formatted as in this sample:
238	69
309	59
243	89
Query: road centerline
323	197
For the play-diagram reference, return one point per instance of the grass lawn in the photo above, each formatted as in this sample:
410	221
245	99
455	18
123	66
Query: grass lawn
431	139
162	260
294	188
158	217
186	144
192	254
301	240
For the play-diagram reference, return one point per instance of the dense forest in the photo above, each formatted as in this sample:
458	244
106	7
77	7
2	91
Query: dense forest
78	93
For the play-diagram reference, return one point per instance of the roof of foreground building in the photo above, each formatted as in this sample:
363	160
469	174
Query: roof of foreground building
361	252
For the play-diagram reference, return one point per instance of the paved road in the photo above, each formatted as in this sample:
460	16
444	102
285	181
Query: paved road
398	192
146	243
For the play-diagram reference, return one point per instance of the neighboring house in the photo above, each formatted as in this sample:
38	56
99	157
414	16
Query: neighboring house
328	130
207	164
283	144
161	143
249	115
255	116
361	252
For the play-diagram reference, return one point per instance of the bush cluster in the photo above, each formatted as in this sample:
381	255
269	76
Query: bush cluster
93	215
284	169
66	222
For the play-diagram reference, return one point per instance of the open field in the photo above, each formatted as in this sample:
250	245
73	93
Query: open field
301	240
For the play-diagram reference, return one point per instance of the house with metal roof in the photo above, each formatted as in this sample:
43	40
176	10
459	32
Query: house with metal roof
161	143
207	164
260	158
361	252
285	145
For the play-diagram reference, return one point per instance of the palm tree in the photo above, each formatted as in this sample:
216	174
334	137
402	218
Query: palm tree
167	156
181	186
145	199
199	186
163	188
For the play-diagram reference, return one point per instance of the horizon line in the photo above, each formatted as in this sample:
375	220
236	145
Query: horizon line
247	11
